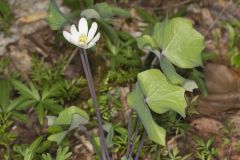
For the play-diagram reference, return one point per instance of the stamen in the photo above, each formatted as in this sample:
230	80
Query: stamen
83	39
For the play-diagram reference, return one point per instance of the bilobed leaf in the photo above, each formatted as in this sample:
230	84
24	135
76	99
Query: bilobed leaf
160	95
55	19
65	117
180	42
58	137
136	101
76	121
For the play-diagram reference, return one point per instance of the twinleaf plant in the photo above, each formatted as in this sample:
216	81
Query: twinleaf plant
174	42
71	118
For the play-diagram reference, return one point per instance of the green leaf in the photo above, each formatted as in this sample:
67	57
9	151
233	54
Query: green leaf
5	90
65	117
21	117
36	143
148	17
55	19
5	9
17	102
72	4
76	121
63	154
46	156
136	101
189	85
146	41
90	13
108	29
44	146
180	42
160	95
120	12
109	128
108	11
170	72
34	91
24	90
58	137
55	88
198	77
104	10
21	104
40	113
51	105
231	35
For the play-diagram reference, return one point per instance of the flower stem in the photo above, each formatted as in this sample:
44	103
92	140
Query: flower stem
129	131
88	73
140	145
134	138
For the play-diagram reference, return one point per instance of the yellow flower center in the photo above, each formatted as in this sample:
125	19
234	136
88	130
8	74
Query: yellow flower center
83	38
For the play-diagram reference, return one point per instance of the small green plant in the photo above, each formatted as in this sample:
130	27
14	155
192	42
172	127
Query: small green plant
174	155
62	154
37	151
109	103
44	73
42	101
124	60
205	150
4	62
6	17
6	137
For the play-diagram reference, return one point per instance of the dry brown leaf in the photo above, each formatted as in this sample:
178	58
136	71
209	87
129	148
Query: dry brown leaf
206	126
33	17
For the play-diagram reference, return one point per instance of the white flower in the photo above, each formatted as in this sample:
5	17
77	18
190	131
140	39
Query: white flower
82	37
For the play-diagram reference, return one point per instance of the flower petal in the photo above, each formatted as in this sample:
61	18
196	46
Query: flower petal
91	44
82	45
94	40
75	33
67	36
73	30
83	26
92	31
